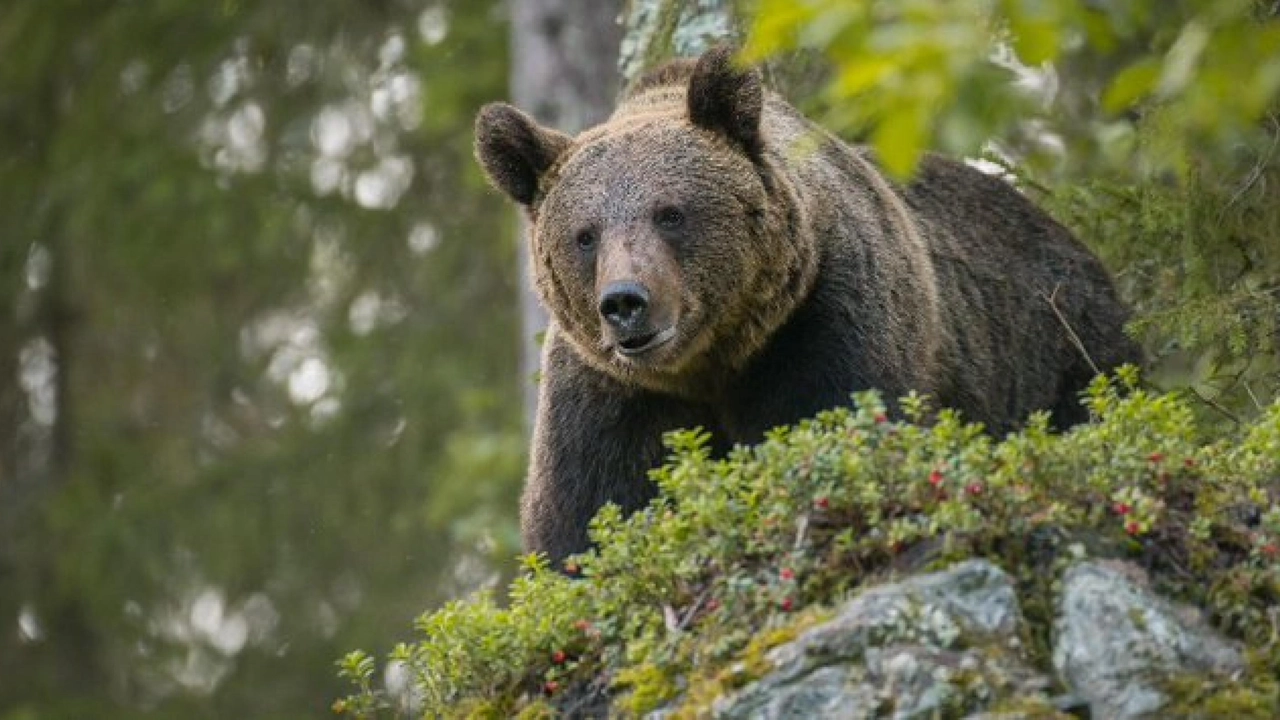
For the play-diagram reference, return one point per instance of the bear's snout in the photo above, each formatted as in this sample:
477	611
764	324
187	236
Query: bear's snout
625	306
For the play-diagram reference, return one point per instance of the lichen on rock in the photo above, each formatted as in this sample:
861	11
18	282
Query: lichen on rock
1117	643
931	645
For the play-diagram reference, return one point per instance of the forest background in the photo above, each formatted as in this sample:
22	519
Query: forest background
263	380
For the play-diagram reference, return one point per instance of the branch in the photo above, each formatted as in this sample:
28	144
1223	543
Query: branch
1071	333
1258	167
1215	405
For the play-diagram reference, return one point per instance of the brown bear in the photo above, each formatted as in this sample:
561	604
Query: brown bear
711	258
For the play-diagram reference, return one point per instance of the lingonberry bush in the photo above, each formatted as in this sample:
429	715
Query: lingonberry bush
679	600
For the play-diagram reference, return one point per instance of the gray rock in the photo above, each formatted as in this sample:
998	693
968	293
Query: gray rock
937	645
945	645
1117	642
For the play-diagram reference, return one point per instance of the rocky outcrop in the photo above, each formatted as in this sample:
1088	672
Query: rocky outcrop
948	645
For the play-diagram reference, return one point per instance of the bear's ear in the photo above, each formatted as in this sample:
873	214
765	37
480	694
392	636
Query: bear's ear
727	98
515	151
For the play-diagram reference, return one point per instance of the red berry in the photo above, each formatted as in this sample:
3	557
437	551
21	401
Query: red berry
881	419
1132	527
1122	508
558	657
935	478
787	574
550	687
787	605
974	489
1155	457
822	503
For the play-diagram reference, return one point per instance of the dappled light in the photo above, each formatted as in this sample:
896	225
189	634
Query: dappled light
260	343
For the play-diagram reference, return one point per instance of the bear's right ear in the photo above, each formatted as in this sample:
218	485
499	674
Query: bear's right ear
515	151
726	98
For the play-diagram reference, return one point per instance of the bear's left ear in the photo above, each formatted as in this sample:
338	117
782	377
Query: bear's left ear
515	151
726	98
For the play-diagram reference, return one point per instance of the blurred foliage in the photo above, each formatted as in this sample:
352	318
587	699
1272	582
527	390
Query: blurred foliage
257	385
1150	128
681	599
923	74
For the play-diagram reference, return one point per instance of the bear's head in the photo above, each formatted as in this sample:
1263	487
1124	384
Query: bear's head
664	242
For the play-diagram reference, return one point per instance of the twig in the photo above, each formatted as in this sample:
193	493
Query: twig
802	531
1071	333
669	618
1256	403
1215	405
678	623
1256	171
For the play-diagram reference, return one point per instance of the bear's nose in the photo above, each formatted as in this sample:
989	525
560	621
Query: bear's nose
625	305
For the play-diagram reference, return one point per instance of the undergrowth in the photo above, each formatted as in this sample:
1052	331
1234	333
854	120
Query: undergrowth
681	600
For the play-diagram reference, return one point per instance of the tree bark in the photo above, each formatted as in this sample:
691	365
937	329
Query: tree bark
661	30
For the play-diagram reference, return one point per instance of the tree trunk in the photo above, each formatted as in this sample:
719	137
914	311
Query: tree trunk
35	461
661	30
563	71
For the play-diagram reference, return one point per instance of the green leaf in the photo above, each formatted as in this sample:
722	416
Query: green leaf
860	77
900	140
1035	42
1181	62
1131	85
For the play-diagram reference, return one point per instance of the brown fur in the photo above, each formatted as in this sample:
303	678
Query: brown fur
787	272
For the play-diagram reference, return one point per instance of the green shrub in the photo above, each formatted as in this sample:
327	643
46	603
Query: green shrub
680	600
1200	264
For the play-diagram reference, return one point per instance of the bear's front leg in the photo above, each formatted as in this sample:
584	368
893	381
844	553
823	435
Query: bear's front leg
594	442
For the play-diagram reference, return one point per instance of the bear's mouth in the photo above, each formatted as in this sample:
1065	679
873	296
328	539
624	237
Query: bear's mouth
640	344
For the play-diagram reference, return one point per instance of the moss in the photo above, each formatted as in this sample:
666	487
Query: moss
650	687
537	711
1254	696
1139	618
1026	708
754	661
714	681
485	709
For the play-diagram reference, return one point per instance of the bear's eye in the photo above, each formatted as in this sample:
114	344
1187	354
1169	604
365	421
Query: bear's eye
586	239
668	218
